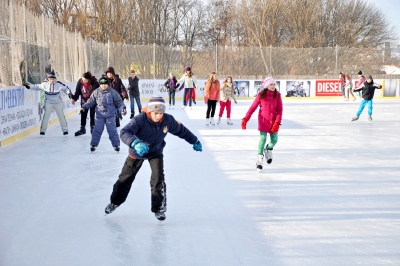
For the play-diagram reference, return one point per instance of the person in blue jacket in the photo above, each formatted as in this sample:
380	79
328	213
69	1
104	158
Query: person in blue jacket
145	135
107	101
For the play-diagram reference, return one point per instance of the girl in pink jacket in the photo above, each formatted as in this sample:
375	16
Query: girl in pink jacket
211	97
269	119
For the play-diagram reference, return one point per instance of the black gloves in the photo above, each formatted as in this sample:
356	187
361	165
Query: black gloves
70	95
26	85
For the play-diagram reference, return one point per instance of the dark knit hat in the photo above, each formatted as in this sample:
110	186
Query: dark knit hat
156	103
359	72
188	69
103	80
51	74
111	70
368	76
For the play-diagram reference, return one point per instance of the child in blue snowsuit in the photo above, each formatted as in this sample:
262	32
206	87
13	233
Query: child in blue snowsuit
106	100
144	135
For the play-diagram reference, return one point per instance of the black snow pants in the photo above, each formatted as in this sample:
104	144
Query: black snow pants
157	182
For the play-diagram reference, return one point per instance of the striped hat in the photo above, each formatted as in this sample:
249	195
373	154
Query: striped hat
156	103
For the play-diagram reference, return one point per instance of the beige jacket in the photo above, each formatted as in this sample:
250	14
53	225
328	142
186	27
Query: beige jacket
227	92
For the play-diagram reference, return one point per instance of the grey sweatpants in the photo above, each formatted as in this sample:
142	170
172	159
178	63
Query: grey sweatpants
109	122
58	107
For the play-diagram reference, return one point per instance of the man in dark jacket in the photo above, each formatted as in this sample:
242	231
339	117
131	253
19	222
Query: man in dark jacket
134	93
144	135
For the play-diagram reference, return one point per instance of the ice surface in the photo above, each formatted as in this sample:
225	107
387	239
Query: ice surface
330	197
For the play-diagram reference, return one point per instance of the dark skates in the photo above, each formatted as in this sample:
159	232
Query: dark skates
160	215
110	208
81	131
92	148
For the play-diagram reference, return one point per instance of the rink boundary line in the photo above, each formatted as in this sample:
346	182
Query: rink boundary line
26	133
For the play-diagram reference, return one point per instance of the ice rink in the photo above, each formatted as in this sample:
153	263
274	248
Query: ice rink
330	197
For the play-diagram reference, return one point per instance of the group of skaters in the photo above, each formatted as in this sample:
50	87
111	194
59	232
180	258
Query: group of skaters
145	133
365	86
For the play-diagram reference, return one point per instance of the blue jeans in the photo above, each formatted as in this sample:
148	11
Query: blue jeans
362	105
171	95
137	98
187	90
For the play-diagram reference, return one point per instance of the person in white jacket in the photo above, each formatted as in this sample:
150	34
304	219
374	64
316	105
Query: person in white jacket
189	82
53	99
227	93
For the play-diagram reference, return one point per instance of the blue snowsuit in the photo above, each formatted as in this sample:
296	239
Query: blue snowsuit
106	102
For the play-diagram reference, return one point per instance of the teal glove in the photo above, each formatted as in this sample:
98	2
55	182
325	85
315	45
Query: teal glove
197	146
140	147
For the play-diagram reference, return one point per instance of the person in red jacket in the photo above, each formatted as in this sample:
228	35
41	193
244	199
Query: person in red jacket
269	119
211	97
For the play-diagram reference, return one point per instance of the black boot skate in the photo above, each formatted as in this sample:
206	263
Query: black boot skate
160	215
116	148
92	148
81	131
110	208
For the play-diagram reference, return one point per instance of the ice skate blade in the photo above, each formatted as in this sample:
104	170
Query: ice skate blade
160	222
258	170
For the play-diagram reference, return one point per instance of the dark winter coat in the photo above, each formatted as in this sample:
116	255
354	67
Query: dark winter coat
133	86
81	91
105	101
168	84
118	86
368	90
142	127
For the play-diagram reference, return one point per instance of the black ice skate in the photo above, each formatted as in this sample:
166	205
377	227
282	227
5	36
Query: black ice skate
160	215
354	118
42	133
81	131
116	148
110	208
268	156
259	163
132	115
92	148
65	133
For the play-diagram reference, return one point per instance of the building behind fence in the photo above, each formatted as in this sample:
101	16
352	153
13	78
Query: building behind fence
31	45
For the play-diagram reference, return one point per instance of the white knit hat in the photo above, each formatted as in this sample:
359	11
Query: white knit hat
156	103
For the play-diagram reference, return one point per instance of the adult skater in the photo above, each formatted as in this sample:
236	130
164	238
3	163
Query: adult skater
211	97
53	99
269	119
227	93
84	88
116	83
134	93
171	85
368	90
106	101
349	88
190	82
144	135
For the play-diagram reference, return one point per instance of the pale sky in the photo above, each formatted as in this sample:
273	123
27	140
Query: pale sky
391	8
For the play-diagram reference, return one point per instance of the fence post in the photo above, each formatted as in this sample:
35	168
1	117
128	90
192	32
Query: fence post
154	60
216	57
26	45
90	56
12	41
108	53
64	53
337	50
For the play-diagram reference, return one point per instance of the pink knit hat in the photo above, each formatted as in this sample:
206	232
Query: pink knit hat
268	81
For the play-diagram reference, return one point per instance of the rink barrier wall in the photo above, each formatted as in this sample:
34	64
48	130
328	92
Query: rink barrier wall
21	110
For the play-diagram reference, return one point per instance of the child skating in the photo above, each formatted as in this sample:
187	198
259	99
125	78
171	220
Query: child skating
106	100
269	119
368	90
144	135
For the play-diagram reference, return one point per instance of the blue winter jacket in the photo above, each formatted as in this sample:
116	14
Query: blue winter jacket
105	101
153	134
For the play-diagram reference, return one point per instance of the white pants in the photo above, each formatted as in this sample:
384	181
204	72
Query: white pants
60	113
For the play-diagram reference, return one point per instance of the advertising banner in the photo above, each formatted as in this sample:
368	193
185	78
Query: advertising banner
297	88
328	88
22	109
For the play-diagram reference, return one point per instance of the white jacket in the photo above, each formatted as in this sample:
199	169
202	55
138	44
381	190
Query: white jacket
189	82
52	93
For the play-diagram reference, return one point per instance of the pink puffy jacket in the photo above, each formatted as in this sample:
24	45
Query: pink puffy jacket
270	110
